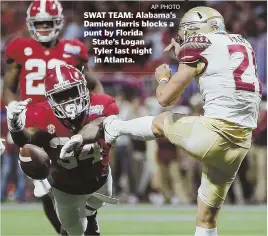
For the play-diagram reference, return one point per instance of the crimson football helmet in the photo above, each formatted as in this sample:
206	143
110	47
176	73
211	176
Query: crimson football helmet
45	11
66	91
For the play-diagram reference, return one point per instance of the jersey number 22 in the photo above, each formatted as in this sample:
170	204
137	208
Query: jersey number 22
38	76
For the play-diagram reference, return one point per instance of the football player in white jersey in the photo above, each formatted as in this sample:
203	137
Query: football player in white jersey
224	67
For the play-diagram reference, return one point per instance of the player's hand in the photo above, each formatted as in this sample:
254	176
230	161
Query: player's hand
2	146
67	150
16	115
162	73
173	45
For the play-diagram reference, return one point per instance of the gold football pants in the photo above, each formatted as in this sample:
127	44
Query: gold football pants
220	156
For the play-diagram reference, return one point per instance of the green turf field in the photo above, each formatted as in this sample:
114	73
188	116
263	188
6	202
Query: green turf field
28	219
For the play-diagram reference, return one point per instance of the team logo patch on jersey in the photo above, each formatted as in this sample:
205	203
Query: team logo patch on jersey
69	48
51	129
97	109
28	51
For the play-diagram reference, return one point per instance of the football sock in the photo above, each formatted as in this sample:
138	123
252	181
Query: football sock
92	225
141	128
90	211
51	213
205	232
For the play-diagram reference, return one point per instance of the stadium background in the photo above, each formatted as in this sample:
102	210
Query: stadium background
153	173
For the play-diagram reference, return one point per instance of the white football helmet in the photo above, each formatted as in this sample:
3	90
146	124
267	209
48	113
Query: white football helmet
200	20
45	11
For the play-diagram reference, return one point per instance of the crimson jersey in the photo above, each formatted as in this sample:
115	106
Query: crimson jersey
35	59
88	171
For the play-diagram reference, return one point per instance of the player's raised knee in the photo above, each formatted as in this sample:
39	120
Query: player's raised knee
158	124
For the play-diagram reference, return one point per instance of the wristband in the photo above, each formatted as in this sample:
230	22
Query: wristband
163	80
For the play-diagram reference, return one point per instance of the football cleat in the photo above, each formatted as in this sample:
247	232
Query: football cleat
93	228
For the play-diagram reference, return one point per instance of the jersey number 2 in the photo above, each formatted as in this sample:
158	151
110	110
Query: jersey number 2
238	72
38	76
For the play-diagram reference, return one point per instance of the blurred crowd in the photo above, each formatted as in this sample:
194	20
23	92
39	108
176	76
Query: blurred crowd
154	171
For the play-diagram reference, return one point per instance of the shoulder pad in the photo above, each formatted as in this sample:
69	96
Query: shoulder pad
12	51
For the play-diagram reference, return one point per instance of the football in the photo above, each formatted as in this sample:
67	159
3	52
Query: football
34	162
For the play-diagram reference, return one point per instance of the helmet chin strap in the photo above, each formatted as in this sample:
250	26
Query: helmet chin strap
83	67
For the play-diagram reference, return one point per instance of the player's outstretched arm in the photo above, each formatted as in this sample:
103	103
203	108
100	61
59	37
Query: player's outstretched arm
11	83
93	131
90	133
25	136
170	89
16	120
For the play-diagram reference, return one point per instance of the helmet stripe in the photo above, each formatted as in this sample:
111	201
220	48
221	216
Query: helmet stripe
42	6
58	74
28	10
58	7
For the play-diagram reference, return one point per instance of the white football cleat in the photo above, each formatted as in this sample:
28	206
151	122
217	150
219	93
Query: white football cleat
110	132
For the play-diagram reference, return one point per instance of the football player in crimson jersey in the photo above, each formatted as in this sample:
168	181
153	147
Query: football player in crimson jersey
68	126
225	69
29	59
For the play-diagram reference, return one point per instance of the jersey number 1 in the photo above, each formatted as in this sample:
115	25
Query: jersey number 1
238	72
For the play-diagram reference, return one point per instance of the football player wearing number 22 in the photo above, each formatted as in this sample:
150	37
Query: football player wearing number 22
68	126
29	59
224	67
